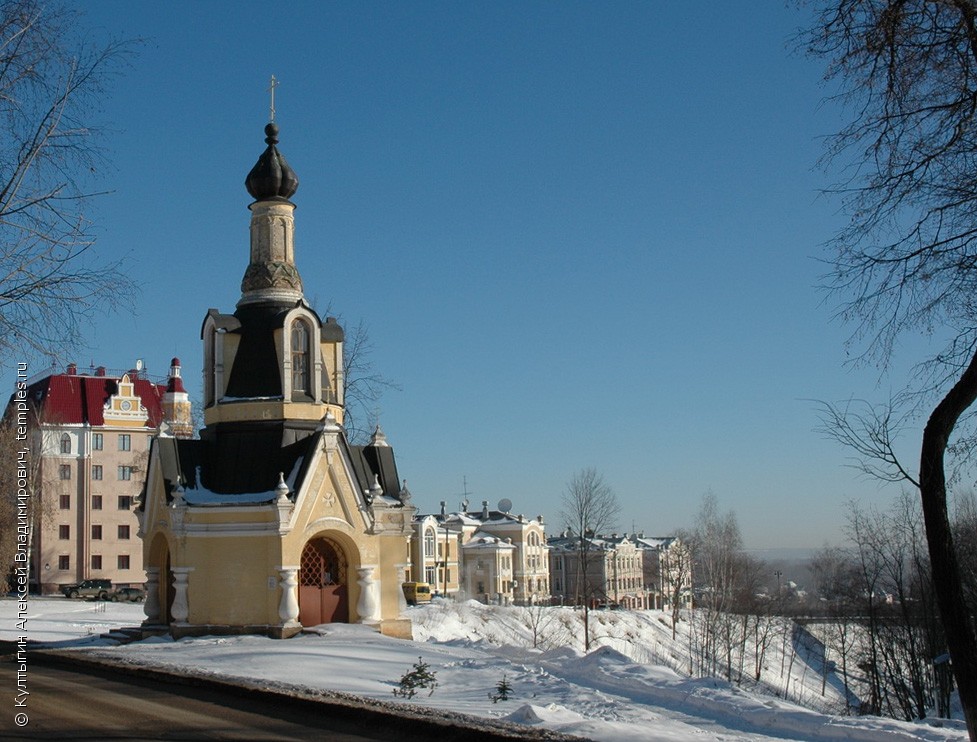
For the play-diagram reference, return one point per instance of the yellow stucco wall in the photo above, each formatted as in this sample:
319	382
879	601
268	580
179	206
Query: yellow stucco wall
236	554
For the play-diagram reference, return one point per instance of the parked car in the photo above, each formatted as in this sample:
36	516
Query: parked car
417	592
128	594
100	589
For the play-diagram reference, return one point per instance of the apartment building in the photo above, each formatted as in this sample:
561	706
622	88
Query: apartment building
489	555
90	437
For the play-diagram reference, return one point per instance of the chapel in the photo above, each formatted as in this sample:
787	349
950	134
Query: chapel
272	521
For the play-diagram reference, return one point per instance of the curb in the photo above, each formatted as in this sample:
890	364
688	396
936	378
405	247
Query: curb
424	723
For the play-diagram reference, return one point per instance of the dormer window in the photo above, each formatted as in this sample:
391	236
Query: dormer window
300	357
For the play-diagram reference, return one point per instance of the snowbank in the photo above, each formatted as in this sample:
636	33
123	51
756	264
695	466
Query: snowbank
613	694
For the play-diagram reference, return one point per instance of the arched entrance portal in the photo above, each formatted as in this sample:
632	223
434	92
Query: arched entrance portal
323	592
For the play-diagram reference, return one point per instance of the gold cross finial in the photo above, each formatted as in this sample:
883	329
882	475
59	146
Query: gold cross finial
271	89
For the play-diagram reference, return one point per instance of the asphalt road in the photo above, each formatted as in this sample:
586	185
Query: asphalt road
68	703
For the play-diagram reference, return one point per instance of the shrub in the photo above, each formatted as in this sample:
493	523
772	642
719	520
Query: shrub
419	677
502	691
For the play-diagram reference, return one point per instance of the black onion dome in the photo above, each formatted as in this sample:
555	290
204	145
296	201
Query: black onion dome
271	177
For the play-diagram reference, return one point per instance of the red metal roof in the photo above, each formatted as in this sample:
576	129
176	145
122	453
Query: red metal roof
74	399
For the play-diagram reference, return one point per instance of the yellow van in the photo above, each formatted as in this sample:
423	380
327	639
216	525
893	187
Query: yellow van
417	592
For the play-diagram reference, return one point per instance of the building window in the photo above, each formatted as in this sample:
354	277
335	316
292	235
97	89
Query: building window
64	532
64	502
96	533
125	502
65	443
97	441
300	357
125	473
64	471
97	472
123	561
429	575
429	543
96	561
125	442
96	502
123	532
64	562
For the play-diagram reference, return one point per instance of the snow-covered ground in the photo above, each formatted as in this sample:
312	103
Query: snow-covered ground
622	691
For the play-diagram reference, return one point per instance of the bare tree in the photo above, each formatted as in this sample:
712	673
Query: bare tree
590	507
21	493
907	260
363	383
965	536
51	82
837	585
719	570
676	575
544	626
881	614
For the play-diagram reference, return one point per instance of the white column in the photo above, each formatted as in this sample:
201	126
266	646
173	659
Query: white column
151	606
401	599
181	606
288	608
368	606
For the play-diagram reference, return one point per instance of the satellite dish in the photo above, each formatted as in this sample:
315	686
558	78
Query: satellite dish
505	504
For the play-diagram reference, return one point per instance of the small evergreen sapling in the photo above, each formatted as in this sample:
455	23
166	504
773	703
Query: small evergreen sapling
502	691
420	677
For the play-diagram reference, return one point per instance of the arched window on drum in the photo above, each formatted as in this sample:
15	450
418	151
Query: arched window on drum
301	373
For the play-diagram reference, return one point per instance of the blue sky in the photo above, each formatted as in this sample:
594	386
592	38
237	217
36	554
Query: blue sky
581	234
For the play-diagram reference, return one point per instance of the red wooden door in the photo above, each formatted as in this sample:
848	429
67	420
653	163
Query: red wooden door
322	584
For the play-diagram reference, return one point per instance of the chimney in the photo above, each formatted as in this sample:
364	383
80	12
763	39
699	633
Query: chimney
443	505
100	371
485	509
72	369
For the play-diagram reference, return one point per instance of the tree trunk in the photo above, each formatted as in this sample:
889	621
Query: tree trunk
586	624
947	581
